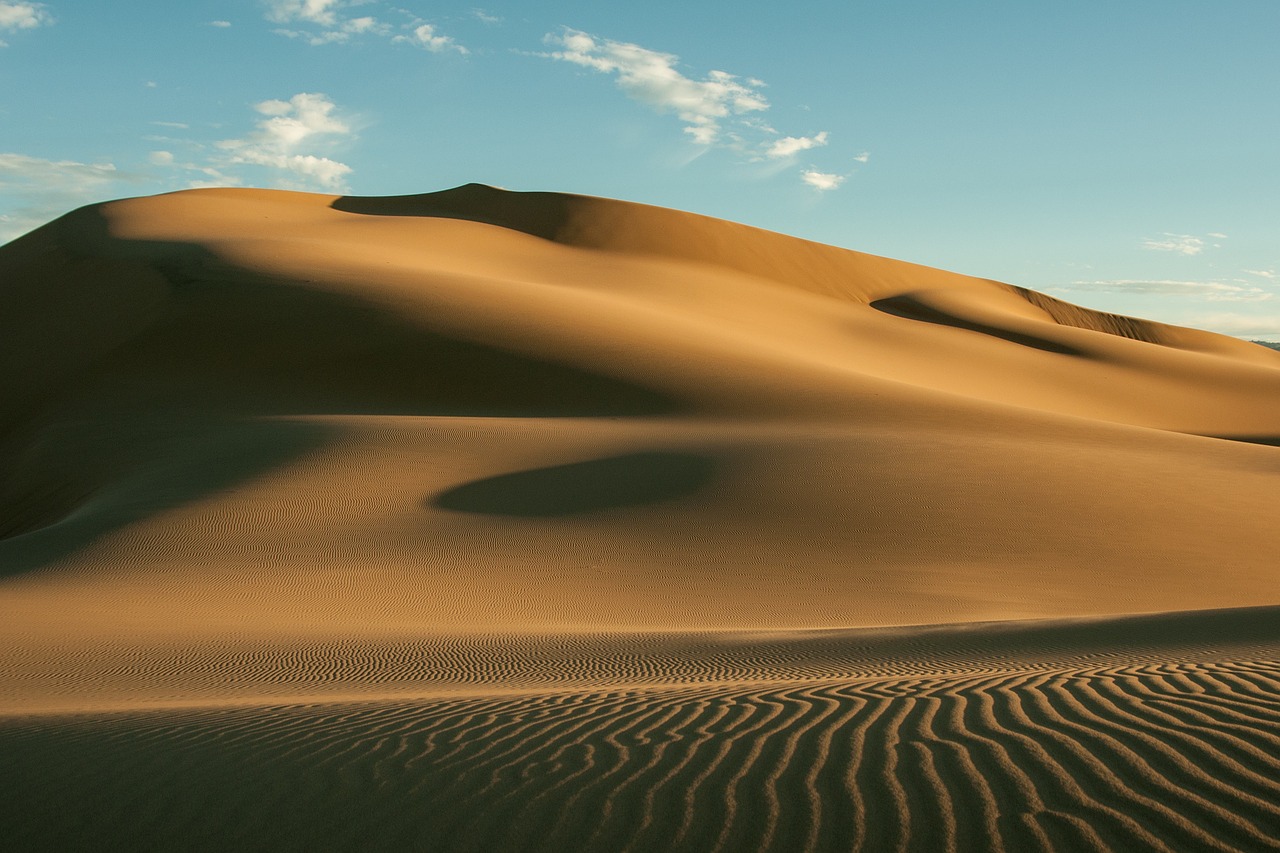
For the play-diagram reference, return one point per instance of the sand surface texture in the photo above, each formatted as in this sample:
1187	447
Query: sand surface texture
482	520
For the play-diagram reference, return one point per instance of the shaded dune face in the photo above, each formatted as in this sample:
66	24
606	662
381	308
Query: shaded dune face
483	407
583	487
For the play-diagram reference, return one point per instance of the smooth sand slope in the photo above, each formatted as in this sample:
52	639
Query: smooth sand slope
487	520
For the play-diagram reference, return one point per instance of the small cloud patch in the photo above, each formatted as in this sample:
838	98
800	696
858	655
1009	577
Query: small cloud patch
822	181
426	36
789	146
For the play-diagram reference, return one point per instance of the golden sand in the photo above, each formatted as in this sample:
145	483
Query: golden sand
492	520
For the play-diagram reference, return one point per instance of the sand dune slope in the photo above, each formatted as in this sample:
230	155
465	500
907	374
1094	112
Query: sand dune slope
484	520
505	408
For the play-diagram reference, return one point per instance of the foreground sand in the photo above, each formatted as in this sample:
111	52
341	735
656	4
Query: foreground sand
1133	733
487	520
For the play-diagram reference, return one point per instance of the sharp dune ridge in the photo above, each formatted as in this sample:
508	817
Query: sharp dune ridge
493	520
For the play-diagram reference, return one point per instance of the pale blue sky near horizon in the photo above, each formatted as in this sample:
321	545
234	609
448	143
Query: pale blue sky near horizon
1121	155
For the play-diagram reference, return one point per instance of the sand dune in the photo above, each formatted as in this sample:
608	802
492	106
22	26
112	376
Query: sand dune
483	519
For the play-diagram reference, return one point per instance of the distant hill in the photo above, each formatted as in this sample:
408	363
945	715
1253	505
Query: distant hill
1275	345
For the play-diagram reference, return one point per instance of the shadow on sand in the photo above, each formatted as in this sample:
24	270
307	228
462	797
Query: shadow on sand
632	479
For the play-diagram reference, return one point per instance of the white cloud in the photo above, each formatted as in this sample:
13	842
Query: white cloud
1235	290
160	158
1267	274
174	124
220	24
789	146
39	190
341	33
321	12
22	16
333	27
863	157
821	180
718	109
306	120
328	23
1254	326
425	35
652	78
486	17
1182	244
1217	235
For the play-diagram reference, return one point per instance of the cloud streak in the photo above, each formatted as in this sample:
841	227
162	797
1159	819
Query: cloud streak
719	109
1181	244
323	13
789	146
1260	327
46	189
651	77
328	23
426	36
1235	290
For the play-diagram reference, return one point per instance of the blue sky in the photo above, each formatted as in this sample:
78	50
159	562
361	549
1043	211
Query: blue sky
1122	155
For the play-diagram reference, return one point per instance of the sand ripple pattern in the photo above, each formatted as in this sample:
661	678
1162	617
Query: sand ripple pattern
1154	756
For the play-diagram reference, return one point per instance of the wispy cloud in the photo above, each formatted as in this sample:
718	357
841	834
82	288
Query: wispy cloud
652	78
340	33
789	146
1256	326
22	16
321	12
718	109
286	139
1267	274
823	181
1234	290
222	25
1182	244
485	17
426	36
329	22
290	140
45	189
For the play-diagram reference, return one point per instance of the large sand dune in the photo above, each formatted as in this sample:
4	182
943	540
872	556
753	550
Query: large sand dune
482	519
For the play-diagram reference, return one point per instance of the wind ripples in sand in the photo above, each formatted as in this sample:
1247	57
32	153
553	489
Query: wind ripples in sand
1151	757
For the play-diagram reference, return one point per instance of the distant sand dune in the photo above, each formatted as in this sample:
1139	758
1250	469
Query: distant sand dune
485	520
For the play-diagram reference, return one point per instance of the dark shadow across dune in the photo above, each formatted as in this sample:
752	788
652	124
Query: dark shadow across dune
1267	440
580	487
228	352
542	215
913	309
